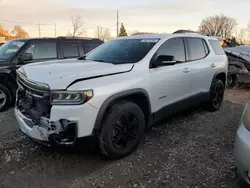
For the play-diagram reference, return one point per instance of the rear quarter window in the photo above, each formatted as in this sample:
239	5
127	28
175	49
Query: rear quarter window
196	48
217	48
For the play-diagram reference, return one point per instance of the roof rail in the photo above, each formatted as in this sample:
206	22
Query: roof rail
69	37
188	31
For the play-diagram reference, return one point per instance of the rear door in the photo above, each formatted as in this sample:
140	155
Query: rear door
198	65
71	49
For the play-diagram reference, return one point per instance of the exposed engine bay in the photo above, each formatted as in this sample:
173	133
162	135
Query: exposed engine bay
33	103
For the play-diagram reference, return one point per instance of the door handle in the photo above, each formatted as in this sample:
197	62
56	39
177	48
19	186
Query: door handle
186	70
213	65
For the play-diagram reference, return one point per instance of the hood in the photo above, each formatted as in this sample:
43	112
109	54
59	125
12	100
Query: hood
242	51
60	74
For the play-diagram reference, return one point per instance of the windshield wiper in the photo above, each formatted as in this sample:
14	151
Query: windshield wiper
100	60
82	57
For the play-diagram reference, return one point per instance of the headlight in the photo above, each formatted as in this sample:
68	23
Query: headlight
246	116
70	97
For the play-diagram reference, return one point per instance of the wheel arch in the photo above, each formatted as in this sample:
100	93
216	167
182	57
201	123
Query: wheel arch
138	96
7	80
220	75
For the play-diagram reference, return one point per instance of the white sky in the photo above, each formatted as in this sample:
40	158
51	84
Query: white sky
141	15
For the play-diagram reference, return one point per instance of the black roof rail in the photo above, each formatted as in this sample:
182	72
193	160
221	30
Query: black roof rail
68	37
188	31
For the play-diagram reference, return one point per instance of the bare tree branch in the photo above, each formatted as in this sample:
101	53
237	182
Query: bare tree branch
218	25
78	27
103	33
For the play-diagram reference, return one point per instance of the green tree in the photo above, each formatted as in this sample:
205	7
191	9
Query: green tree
123	31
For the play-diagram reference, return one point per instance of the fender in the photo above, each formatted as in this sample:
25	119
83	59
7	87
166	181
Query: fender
116	96
236	68
5	71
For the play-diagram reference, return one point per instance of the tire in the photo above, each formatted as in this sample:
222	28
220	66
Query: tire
122	130
240	182
5	97
232	81
216	95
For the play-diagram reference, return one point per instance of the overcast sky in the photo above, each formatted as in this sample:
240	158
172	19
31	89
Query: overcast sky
142	15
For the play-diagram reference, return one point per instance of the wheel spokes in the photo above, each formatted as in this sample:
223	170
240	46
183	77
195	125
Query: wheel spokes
2	95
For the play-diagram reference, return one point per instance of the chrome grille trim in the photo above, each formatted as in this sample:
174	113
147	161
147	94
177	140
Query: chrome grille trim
31	84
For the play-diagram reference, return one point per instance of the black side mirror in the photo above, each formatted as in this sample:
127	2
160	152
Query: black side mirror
166	60
25	57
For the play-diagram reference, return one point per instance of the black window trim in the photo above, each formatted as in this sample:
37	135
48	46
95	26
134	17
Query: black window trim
71	41
150	64
31	42
203	40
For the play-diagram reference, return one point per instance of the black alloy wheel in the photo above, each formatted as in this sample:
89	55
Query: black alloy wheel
125	131
216	95
122	130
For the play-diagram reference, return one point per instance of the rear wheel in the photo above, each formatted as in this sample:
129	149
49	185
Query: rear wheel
232	81
216	95
122	130
5	97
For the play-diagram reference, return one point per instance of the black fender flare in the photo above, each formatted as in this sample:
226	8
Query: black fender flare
215	75
106	104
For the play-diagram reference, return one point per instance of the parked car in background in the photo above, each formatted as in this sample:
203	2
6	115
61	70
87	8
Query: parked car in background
242	149
16	53
120	89
239	65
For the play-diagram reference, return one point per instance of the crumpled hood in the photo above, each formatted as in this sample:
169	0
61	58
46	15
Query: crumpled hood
60	74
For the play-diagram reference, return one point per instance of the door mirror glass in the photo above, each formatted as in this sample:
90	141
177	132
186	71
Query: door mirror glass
166	59
25	57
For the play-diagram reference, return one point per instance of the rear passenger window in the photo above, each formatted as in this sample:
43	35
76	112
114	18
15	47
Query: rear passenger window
195	48
218	50
173	47
92	46
70	49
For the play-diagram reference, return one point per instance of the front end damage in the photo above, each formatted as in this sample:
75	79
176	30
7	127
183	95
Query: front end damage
33	106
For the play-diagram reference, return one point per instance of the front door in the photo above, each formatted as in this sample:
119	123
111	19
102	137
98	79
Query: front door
170	84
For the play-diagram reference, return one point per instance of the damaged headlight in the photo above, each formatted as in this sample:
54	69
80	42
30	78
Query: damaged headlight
70	97
246	116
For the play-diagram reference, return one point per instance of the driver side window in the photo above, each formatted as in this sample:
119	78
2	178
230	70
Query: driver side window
40	51
173	47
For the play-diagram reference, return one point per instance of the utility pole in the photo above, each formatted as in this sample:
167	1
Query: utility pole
117	24
39	29
55	29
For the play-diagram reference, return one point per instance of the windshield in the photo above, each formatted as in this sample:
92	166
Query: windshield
122	51
8	49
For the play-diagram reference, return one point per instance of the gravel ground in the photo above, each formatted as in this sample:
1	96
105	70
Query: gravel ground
193	149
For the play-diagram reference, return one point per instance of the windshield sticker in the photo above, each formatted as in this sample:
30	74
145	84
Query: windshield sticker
150	40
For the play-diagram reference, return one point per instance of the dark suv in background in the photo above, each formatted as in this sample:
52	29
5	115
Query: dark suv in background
16	53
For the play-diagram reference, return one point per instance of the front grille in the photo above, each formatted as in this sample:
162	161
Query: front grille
33	102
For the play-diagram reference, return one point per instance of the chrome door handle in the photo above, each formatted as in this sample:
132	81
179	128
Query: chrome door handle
186	70
213	65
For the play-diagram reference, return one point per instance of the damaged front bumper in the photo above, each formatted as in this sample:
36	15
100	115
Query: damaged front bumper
62	132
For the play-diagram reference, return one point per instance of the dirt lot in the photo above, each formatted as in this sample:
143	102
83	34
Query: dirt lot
190	150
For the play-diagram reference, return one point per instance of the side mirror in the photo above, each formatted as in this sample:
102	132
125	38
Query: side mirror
166	60
25	57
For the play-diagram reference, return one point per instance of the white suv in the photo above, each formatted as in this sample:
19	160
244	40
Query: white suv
120	89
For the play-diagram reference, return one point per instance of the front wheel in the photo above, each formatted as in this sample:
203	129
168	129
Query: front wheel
216	95
5	97
122	130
